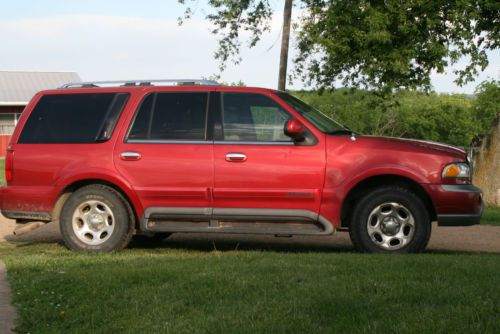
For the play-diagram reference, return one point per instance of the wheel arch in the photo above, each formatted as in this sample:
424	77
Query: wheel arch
365	185
64	194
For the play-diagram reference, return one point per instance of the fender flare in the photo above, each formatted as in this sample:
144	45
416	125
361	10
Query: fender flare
100	175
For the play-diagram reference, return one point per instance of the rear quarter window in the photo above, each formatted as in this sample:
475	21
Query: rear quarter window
73	118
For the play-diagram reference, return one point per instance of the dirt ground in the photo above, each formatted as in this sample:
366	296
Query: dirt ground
479	238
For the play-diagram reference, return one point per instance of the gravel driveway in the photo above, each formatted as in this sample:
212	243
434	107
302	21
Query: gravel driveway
479	238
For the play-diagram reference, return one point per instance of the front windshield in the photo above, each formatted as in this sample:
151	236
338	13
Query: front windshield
316	117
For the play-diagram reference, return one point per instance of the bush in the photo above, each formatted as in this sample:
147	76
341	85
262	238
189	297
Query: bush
454	119
486	105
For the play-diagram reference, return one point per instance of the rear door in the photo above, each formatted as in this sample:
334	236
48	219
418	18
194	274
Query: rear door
257	166
167	152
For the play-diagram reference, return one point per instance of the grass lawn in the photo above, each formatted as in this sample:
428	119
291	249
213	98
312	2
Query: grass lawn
191	288
491	216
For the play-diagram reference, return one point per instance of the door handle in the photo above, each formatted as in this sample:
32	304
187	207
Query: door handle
130	156
236	157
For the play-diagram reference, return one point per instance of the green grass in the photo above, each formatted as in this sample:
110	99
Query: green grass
491	216
187	287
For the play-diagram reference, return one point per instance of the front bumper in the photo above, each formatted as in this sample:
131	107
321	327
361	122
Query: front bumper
457	205
460	220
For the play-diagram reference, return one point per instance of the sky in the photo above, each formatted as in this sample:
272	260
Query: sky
131	39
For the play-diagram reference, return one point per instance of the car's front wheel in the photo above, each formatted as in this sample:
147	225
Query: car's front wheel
390	220
96	218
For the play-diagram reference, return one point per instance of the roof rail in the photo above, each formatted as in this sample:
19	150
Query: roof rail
128	83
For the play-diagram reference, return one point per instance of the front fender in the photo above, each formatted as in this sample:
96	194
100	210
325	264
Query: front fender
336	190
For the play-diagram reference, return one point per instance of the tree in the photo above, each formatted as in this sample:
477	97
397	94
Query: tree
287	21
487	104
369	43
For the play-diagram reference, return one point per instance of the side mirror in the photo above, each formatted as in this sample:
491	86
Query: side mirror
295	130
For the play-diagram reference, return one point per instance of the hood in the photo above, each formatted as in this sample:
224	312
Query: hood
421	145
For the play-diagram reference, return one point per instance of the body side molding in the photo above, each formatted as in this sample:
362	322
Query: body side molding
235	220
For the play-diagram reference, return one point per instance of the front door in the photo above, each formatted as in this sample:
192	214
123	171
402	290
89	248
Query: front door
257	166
167	156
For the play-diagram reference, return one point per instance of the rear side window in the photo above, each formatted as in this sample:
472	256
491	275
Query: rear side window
171	116
73	118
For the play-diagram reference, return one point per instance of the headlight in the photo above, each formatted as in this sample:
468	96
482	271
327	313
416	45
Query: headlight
457	170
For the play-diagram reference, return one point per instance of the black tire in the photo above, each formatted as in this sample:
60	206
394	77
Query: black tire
156	238
106	210
376	237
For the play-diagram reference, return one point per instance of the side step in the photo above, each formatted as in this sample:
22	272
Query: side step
239	221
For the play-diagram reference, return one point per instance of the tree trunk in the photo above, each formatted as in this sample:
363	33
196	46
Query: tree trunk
285	41
487	165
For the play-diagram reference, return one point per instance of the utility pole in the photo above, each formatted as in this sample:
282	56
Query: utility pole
285	41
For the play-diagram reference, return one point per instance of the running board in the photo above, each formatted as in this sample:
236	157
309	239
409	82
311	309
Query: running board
238	221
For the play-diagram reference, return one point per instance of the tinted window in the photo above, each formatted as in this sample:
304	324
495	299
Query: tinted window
140	129
73	118
253	117
171	116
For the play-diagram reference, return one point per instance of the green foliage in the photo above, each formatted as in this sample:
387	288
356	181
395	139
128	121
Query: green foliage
487	104
376	44
217	77
454	119
229	19
393	43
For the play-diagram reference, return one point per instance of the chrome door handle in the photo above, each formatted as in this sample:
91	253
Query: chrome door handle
236	157
130	156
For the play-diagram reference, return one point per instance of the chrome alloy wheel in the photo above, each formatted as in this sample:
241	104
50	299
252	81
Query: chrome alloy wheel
93	222
391	226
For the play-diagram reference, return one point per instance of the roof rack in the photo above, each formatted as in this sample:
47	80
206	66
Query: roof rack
131	83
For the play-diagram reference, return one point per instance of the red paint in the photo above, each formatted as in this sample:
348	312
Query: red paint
9	165
316	177
294	128
4	142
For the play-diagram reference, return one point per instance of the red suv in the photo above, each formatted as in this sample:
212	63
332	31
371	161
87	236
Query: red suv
113	161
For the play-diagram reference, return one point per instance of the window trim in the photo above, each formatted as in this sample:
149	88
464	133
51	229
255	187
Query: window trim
207	140
167	141
109	114
17	116
268	143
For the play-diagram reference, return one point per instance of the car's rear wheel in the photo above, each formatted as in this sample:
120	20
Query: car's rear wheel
96	218
390	220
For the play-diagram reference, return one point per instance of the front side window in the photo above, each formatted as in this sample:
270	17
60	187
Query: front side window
73	118
253	118
171	116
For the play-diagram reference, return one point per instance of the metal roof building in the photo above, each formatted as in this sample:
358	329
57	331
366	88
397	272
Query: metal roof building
18	87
